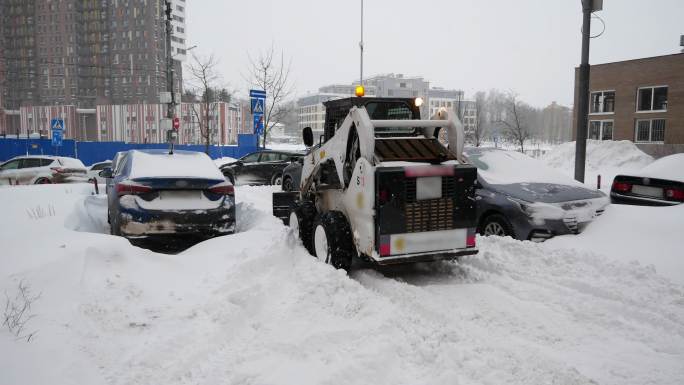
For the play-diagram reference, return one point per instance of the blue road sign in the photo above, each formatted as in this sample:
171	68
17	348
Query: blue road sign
57	124
57	136
259	124
257	105
261	94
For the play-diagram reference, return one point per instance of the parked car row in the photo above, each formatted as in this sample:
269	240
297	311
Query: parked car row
521	197
154	193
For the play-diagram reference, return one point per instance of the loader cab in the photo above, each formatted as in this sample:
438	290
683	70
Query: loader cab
378	109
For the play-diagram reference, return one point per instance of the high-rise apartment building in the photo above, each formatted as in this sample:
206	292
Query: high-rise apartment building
84	53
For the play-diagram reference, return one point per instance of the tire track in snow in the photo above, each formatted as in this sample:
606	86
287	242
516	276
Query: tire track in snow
555	308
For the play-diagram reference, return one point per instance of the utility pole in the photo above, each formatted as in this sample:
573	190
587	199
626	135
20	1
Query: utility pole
171	109
361	45
588	6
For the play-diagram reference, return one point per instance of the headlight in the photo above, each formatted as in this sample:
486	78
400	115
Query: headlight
419	101
537	211
524	205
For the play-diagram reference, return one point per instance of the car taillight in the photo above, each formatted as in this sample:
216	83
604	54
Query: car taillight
223	188
385	247
470	241
622	187
129	188
674	194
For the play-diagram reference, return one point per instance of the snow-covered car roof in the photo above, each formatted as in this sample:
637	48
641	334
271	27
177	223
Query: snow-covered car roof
102	162
497	166
180	164
670	167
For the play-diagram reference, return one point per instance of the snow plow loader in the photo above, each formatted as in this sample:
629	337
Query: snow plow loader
379	185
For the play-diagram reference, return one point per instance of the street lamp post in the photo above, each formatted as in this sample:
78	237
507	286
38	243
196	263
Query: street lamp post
588	7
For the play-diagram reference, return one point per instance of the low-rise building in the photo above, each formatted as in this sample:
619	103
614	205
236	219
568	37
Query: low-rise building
312	111
641	100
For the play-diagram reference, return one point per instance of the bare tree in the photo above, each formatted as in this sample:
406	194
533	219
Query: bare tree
270	73
203	80
515	122
479	127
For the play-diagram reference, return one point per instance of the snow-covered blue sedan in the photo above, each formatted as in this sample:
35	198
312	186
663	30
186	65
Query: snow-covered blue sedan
155	194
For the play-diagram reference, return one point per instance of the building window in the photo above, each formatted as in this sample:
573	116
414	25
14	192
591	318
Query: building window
601	129
652	99
650	130
602	102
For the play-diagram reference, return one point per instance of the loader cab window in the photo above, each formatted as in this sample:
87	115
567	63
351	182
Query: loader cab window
391	111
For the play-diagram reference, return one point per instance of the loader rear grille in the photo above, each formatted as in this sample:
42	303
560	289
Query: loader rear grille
430	215
413	149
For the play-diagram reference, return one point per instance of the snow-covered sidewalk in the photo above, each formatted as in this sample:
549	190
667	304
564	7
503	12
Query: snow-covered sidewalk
255	308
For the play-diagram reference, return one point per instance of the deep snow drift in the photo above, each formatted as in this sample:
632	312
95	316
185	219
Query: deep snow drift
255	308
606	158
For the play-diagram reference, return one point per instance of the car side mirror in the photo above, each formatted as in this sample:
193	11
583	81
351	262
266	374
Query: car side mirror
106	172
307	135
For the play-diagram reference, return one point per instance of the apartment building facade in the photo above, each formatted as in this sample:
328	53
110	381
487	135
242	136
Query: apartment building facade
640	100
140	123
83	53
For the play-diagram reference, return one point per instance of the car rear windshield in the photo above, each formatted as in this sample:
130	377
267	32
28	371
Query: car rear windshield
71	163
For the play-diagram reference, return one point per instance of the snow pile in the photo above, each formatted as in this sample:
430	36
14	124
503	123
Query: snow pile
606	158
507	167
670	168
180	164
255	308
650	235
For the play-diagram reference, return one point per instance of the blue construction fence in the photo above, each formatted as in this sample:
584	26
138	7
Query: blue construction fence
92	152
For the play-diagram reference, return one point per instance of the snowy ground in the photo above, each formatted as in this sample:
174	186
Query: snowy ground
255	308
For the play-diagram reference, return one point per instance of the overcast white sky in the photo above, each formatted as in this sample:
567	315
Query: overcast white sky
529	46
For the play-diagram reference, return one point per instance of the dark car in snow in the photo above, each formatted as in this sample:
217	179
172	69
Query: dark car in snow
259	168
154	194
292	175
521	197
661	183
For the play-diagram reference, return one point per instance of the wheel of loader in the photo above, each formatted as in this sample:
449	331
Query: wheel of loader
301	221
332	240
